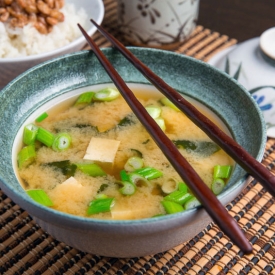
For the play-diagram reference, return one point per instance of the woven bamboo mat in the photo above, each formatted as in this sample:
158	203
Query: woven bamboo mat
26	249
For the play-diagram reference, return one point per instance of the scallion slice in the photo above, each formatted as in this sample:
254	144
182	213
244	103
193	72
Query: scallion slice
153	111
182	187
191	203
101	196
161	123
222	171
217	186
133	163
42	117
169	185
165	101
29	134
40	196
128	188
123	175
138	180
172	207
26	156
45	136
149	173
107	94
180	197
100	205
85	98
91	169
62	141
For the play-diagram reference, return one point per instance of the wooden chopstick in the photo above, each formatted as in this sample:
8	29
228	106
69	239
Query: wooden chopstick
210	202
228	144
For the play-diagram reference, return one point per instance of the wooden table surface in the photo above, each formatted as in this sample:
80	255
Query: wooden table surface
241	19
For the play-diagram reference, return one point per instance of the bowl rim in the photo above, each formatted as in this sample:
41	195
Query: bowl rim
49	54
65	218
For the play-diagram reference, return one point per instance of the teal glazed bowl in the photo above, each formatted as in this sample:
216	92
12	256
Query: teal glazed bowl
60	77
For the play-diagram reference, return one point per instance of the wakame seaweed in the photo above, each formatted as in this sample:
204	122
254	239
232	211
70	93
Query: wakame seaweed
203	148
67	168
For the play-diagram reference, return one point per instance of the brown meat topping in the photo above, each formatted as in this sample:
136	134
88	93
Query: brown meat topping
43	14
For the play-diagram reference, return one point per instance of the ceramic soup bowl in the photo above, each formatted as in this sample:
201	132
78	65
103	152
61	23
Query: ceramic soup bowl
52	81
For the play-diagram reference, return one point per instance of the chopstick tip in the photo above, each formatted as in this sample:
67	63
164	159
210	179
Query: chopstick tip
92	20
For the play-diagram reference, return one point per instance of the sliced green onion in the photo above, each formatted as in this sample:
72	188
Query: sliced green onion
172	207
91	169
182	187
133	163
45	136
40	196
180	197
107	94
217	186
128	188
149	173
161	123
42	117
165	101
191	203
62	141
26	156
101	196
29	134
222	171
169	185
85	98
100	205
153	111
123	175
138	180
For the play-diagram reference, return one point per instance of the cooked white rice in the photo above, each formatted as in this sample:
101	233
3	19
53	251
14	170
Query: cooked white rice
28	41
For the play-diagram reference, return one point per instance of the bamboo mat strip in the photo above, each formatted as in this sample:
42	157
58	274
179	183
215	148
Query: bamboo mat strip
26	249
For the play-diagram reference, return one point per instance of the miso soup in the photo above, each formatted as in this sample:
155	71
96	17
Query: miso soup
90	156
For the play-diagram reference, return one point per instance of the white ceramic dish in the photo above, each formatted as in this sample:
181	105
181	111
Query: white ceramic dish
250	64
11	67
267	42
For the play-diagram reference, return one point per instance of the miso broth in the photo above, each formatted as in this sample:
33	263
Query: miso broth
71	189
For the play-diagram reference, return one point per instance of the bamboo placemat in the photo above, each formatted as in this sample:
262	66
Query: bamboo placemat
26	249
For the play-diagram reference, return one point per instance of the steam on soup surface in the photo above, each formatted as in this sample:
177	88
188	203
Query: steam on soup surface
91	157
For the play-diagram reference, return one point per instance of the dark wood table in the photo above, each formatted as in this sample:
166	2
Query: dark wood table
241	19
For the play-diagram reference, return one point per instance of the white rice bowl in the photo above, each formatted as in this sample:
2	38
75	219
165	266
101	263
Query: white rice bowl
22	48
15	42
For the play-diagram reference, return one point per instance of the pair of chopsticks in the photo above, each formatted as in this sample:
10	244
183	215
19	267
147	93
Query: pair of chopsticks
210	202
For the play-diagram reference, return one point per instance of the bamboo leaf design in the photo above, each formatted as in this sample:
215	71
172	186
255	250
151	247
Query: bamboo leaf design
252	91
237	74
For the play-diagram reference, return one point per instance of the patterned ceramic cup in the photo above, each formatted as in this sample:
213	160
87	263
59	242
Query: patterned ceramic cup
157	23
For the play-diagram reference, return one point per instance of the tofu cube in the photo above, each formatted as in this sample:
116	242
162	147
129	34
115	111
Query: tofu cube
72	182
102	150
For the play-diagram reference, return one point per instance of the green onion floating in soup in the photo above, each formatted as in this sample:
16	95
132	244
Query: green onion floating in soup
91	157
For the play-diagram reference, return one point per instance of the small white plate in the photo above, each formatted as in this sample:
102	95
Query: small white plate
255	70
267	42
